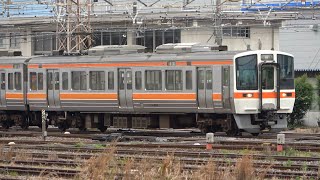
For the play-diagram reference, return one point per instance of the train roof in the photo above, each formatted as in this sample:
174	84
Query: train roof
147	57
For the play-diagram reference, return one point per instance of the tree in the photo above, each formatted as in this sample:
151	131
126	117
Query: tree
303	102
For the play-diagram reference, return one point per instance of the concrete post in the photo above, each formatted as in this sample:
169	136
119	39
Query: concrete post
209	140
280	142
44	128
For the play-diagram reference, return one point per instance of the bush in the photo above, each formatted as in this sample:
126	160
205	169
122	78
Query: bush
304	97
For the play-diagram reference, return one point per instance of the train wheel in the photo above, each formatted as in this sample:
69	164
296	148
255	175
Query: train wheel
102	128
63	126
24	126
5	125
255	134
233	132
82	129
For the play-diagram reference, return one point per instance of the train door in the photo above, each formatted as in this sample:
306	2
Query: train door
3	89
204	81
269	90
53	86
226	87
125	88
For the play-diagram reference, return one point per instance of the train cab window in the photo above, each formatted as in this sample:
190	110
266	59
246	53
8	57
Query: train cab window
201	79
65	81
33	81
174	80
110	80
79	80
3	81
138	78
286	71
153	80
17	80
188	80
247	73
40	81
97	80
267	77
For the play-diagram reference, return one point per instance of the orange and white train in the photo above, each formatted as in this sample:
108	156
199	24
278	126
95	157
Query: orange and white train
180	86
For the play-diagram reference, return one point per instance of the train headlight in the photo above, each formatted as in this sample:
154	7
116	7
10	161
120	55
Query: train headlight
284	94
249	95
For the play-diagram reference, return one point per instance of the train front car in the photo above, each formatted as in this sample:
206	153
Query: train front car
264	91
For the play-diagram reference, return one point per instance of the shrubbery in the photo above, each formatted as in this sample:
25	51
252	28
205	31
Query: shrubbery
304	98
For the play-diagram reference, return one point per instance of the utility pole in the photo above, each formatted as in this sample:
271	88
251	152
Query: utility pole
217	23
73	30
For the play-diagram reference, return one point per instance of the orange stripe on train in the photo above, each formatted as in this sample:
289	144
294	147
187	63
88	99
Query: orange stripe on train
255	95
36	96
216	97
64	96
14	96
165	96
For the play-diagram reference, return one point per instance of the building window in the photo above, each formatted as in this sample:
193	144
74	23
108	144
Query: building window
152	39
14	40
110	38
236	32
153	80
2	40
44	43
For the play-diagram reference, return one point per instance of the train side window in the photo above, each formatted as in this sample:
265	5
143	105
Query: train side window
188	80
3	81
10	81
33	81
40	81
17	80
138	79
110	80
65	81
79	80
153	80
97	80
209	79
226	77
201	79
174	80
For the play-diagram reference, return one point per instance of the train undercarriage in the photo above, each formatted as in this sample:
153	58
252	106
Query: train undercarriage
233	125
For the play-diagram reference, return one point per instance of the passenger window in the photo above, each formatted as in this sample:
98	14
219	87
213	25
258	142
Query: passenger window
188	80
3	81
209	79
65	82
200	79
79	80
97	80
17	80
10	81
40	81
129	80
138	79
110	80
33	81
174	80
153	80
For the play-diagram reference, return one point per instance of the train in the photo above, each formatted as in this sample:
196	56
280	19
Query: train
178	86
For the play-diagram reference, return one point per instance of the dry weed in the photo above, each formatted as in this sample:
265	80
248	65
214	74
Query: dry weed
244	169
